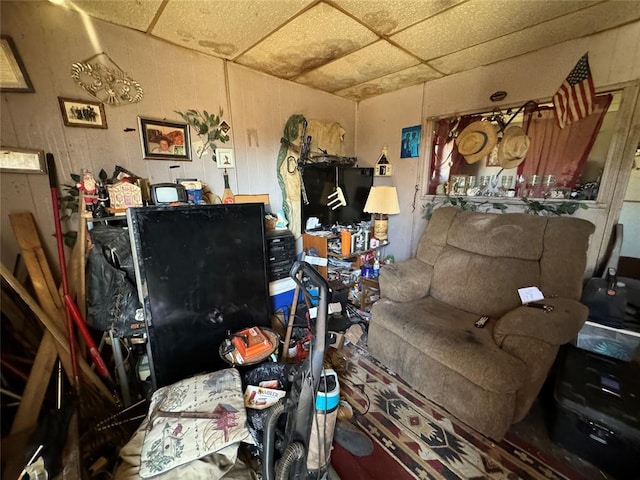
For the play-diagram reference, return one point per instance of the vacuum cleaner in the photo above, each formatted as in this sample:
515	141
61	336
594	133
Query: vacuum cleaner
310	408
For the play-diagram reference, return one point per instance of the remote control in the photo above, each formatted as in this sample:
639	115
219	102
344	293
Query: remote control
541	306
480	323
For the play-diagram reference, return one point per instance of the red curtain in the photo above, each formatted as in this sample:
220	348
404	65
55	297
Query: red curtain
438	154
445	159
560	151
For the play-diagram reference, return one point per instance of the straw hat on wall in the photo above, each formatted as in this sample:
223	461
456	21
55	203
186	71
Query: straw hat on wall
476	141
513	147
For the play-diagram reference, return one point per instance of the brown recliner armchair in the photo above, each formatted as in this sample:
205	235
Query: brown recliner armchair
468	265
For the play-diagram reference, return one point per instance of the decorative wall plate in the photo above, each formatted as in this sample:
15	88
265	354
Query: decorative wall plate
108	84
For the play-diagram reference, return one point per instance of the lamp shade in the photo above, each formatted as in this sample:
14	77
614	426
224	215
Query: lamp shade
382	199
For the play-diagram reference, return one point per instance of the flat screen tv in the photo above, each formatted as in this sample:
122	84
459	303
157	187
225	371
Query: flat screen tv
356	183
200	271
321	180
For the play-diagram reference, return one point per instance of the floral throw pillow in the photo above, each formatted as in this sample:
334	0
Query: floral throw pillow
191	419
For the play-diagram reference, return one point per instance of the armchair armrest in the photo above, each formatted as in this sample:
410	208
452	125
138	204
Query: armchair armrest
405	281
556	327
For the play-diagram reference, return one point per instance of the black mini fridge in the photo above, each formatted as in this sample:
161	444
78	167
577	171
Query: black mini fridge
597	410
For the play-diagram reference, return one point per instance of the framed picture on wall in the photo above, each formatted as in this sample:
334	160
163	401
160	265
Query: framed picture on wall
410	142
22	160
82	113
224	158
164	140
14	76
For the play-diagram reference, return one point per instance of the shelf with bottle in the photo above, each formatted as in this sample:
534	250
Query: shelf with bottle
324	247
358	253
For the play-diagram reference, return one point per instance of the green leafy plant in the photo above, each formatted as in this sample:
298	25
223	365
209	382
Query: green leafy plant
207	127
535	207
69	198
532	207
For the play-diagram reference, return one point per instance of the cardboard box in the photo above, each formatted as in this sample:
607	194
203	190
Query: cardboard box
252	198
260	398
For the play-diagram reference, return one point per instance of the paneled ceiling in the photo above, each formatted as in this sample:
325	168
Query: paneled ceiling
362	48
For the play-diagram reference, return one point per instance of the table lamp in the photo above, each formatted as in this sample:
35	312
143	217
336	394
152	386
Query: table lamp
382	201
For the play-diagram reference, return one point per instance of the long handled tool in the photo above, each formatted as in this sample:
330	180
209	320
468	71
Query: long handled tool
73	314
292	317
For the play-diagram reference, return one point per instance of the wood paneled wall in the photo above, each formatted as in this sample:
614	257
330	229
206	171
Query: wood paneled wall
49	39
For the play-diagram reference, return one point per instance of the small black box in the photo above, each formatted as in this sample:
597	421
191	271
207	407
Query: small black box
597	411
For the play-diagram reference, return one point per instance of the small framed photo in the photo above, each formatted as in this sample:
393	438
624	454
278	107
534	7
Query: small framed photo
410	142
164	140
14	76
224	158
82	113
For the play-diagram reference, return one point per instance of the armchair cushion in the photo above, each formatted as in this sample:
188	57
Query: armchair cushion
556	327
450	339
456	281
406	281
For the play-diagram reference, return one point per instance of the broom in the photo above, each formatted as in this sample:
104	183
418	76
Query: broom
71	309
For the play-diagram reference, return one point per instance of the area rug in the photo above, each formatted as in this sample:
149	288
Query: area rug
423	437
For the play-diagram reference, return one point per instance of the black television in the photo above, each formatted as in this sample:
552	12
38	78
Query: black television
321	180
200	270
356	184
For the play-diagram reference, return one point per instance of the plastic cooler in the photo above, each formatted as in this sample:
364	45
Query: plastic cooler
281	293
597	410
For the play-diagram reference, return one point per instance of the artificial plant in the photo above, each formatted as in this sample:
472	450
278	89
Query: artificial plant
208	127
532	207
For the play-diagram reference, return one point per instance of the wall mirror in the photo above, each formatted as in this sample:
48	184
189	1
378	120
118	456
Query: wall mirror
557	163
22	160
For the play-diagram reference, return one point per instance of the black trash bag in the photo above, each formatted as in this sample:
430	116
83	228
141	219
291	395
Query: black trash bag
266	371
112	299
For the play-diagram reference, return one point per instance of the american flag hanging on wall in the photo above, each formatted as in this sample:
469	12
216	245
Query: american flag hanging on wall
574	99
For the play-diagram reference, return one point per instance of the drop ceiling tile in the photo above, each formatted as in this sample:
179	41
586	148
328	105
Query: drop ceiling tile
223	28
395	81
136	15
478	21
386	17
375	60
319	35
585	22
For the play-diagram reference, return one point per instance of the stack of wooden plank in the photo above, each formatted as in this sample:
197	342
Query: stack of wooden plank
49	309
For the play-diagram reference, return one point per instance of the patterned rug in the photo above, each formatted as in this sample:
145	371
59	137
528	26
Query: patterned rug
423	437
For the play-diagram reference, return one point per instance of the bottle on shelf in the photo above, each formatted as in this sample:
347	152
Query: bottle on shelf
227	195
376	265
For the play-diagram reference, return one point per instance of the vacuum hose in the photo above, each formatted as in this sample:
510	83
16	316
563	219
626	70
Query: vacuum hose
292	454
269	438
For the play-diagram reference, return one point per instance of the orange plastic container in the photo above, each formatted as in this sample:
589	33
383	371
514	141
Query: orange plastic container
345	240
251	342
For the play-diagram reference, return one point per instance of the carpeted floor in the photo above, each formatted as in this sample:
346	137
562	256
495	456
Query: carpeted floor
425	440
